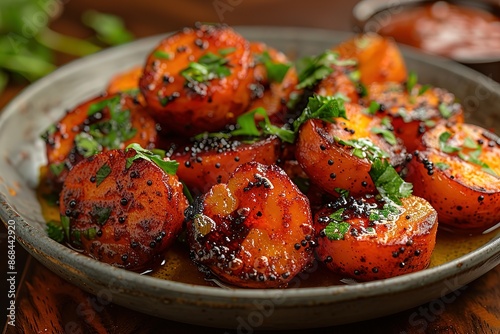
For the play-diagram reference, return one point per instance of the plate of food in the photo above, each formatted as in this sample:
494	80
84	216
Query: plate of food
257	177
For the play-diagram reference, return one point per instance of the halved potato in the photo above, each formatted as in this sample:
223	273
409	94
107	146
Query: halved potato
379	58
255	231
340	154
368	239
458	171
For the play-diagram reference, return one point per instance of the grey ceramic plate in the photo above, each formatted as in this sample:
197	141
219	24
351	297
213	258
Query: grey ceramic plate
22	152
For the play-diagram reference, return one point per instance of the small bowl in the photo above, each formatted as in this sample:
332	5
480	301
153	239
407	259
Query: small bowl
377	15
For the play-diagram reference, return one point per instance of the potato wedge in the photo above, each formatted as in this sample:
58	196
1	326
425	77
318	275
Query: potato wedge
198	79
255	231
338	82
379	58
100	124
458	171
412	110
367	239
124	214
340	154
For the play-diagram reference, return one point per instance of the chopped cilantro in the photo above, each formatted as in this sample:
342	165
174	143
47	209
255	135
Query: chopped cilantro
336	229
224	52
442	165
342	192
100	214
445	110
49	132
411	82
65	225
209	66
326	108
161	55
90	233
96	107
275	71
363	148
388	182
471	143
373	107
57	168
102	174
86	145
169	167
55	231
386	134
443	143
313	69
423	89
388	212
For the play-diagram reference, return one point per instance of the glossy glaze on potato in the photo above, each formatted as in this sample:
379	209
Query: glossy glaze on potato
211	160
413	113
190	107
124	81
330	164
60	140
377	247
465	193
338	83
127	218
255	231
379	58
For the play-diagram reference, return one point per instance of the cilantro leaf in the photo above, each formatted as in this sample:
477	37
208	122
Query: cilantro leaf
313	69
411	82
386	134
86	145
109	28
373	107
65	225
445	110
102	174
209	66
321	107
442	165
161	55
336	229
169	167
100	214
57	168
388	182
275	71
443	143
363	148
55	231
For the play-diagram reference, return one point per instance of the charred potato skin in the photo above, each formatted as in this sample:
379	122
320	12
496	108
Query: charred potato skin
413	114
191	108
400	247
60	145
330	164
465	196
130	218
260	233
200	169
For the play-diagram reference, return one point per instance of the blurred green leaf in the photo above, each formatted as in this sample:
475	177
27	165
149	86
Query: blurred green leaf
109	28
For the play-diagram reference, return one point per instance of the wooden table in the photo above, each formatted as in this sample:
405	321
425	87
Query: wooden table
46	303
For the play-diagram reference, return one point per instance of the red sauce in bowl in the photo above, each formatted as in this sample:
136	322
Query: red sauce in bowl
458	32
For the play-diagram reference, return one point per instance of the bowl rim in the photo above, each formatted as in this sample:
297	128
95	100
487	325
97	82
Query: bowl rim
99	271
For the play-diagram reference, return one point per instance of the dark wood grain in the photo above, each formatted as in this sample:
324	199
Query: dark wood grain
48	304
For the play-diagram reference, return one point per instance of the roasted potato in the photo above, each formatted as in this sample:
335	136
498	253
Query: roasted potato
127	80
100	124
338	82
458	171
255	231
277	79
119	213
412	108
379	58
368	239
198	79
211	160
340	154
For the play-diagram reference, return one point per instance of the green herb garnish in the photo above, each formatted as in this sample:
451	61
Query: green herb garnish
342	192
386	134
411	82
102	174
100	214
86	145
110	29
363	148
388	182
65	225
388	212
161	55
169	167
442	165
443	143
373	107
445	110
336	229
313	69
57	168
275	71
208	67
55	231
